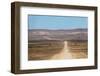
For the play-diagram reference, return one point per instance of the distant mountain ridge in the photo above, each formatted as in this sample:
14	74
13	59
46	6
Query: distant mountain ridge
60	34
78	29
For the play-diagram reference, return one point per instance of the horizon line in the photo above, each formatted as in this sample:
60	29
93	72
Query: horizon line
58	29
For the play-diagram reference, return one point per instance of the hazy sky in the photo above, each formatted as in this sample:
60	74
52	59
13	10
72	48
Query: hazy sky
56	22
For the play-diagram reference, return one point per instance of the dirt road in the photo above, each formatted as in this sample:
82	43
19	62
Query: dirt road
68	54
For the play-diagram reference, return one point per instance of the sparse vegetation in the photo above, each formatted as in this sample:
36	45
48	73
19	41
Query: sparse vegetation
42	50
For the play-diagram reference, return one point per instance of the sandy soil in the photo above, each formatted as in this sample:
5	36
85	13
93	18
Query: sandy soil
67	54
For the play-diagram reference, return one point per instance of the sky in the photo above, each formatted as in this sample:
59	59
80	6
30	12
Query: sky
56	22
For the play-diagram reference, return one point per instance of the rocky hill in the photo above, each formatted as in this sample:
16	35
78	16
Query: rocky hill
61	34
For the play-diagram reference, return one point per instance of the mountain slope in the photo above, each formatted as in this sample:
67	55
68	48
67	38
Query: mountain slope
61	34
